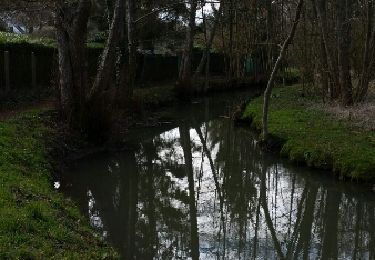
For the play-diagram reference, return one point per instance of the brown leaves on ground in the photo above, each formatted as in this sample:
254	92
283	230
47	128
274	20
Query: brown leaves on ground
360	115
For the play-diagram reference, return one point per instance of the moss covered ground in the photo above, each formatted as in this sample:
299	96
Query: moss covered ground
37	222
306	134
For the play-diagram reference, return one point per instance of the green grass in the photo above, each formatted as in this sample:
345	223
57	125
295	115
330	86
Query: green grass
13	38
308	135
37	222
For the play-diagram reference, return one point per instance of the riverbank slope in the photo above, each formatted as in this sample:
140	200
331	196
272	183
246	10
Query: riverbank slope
306	134
37	222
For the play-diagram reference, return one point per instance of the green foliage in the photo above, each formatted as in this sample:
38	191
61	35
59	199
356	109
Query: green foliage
313	137
37	222
289	76
99	37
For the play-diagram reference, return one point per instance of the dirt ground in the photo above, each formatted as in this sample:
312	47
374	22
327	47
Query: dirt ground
10	113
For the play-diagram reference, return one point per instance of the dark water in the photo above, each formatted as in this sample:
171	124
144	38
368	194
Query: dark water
202	188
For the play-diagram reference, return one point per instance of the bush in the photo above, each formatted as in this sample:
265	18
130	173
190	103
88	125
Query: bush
288	76
9	39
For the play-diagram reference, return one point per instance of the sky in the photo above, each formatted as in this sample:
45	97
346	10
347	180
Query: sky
207	10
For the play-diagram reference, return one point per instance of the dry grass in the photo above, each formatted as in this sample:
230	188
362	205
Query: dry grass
361	115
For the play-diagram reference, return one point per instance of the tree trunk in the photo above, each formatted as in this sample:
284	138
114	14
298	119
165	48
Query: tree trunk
131	49
231	65
71	40
268	91
332	61
343	47
66	74
323	58
368	53
270	36
109	7
108	58
186	61
208	46
86	108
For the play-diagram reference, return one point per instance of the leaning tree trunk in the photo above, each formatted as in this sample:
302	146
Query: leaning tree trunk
270	84
207	50
108	58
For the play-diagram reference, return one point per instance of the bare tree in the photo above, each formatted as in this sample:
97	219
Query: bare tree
209	42
270	84
368	55
344	8
184	81
77	96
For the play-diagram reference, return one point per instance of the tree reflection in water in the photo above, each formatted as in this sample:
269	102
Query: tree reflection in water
206	190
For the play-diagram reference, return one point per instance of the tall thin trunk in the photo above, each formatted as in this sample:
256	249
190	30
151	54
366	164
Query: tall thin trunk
231	66
131	49
270	36
270	84
332	61
367	54
343	47
186	61
209	42
323	68
109	7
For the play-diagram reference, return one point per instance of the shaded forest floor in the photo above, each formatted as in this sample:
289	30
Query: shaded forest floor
319	135
14	111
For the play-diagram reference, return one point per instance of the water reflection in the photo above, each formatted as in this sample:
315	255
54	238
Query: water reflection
204	190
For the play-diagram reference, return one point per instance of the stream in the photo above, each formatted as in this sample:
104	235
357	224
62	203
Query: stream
198	187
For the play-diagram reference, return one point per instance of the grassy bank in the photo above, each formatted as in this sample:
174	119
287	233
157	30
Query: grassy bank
37	222
306	134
